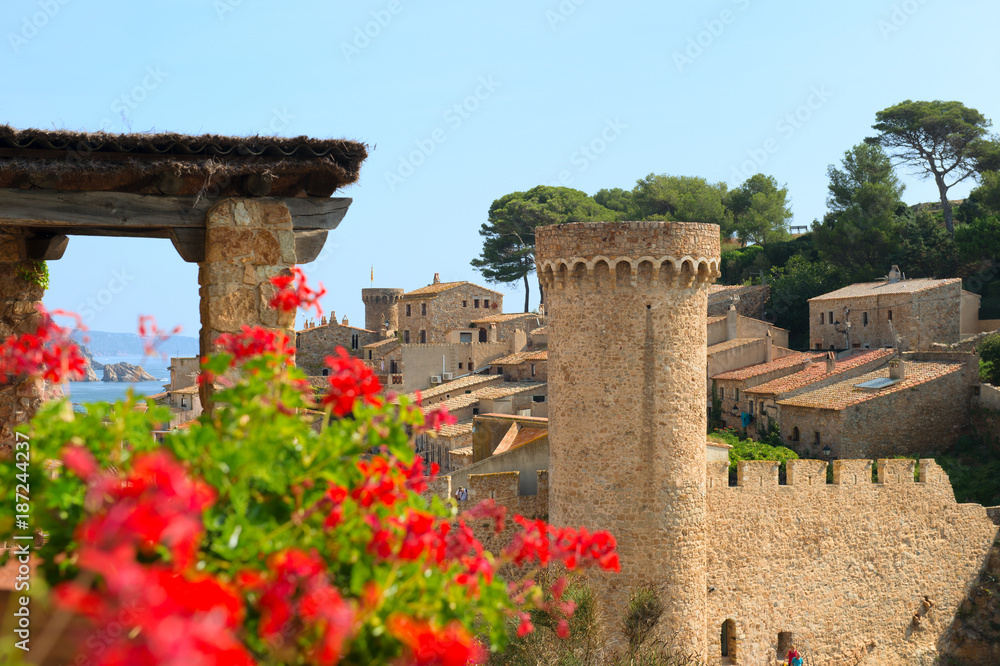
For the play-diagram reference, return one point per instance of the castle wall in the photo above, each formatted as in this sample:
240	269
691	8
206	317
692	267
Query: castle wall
844	566
380	307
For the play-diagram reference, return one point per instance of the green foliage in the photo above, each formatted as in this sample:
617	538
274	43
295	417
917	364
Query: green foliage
974	471
940	139
759	210
715	414
748	449
792	285
989	359
509	236
681	198
645	608
542	646
979	239
619	200
35	272
987	194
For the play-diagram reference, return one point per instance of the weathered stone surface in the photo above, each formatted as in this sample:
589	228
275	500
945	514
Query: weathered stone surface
229	312
126	372
228	244
266	249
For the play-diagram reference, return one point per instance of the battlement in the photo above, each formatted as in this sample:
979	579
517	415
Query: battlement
376	296
762	475
627	254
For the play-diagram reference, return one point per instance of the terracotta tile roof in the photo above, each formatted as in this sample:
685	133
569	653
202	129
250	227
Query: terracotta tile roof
517	358
456	429
539	356
719	292
844	394
460	384
886	287
758	369
817	371
463	451
501	318
504	390
382	343
158	396
541	330
432	290
716	320
732	344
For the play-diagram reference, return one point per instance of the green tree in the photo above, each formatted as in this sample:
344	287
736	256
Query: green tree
860	232
987	195
979	239
619	200
939	139
792	285
989	356
759	210
925	248
681	198
509	247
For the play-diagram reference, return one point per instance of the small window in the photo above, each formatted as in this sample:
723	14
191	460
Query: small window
475	302
423	309
423	337
460	365
369	354
856	345
795	434
821	317
472	366
465	337
406	333
354	341
486	302
722	393
750	407
407	309
817	438
890	315
499	370
819	345
829	317
183	401
864	318
737	398
532	369
326	372
475	411
538	398
465	304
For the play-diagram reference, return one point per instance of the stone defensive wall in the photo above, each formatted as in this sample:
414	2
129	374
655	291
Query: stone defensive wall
853	571
649	252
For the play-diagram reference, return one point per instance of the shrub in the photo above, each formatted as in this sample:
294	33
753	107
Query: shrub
989	359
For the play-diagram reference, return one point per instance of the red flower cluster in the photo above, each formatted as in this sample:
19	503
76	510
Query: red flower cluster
293	292
151	334
451	645
181	617
541	542
350	381
297	593
254	342
437	417
47	354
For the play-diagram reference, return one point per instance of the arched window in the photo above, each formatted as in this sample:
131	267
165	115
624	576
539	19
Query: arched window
795	434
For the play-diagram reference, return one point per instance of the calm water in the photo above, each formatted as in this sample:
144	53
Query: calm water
81	393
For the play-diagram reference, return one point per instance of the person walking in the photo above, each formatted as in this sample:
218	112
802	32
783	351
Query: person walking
794	658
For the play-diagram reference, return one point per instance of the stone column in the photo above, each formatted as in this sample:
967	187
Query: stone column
19	296
627	350
247	242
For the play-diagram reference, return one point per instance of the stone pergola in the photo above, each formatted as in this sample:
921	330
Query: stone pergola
244	209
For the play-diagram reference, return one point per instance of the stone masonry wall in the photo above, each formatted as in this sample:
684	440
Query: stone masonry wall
248	242
845	567
446	312
626	307
315	344
752	299
19	399
380	307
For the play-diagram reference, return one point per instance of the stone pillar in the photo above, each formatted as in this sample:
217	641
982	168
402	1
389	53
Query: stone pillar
626	307
19	296
380	307
247	242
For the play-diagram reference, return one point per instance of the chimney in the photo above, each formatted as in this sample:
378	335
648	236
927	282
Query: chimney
768	347
894	274
344	322
732	323
322	320
437	278
491	334
897	369
333	317
831	362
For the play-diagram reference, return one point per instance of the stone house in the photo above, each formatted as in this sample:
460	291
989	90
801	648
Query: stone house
823	370
528	365
315	342
506	325
426	315
915	405
919	312
731	387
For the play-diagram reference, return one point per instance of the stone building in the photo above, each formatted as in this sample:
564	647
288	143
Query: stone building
919	312
426	315
912	406
853	572
315	342
528	365
381	311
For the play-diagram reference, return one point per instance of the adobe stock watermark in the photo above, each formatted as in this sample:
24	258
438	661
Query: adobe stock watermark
900	15
31	25
562	12
223	7
587	154
95	305
131	100
454	117
786	127
701	42
364	35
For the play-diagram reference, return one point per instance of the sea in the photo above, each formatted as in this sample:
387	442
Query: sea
81	393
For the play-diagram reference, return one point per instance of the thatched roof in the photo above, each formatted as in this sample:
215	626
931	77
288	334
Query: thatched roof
170	163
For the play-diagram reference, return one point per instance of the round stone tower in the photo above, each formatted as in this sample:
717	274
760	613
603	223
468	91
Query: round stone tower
380	307
626	307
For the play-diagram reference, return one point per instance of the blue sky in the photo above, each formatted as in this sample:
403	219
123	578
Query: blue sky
463	101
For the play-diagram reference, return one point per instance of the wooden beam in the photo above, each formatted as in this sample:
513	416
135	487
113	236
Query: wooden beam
48	247
189	243
83	212
308	244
